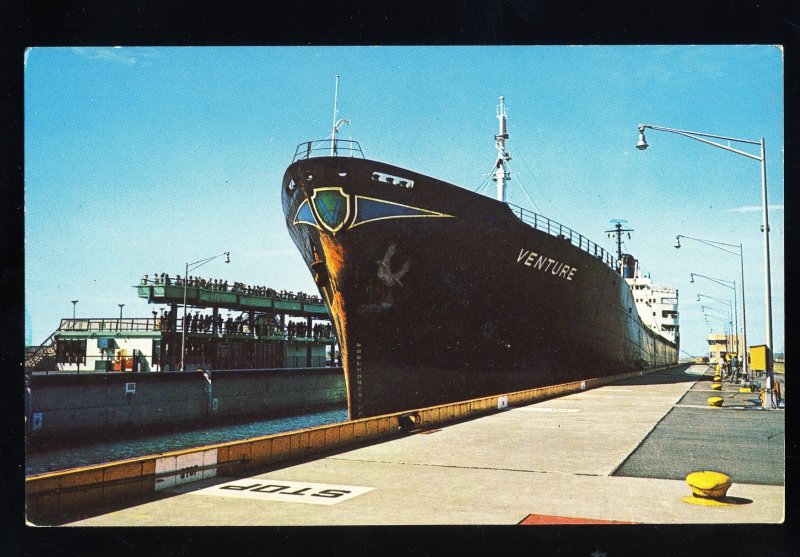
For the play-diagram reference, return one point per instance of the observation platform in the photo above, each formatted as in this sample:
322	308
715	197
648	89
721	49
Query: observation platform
172	294
592	452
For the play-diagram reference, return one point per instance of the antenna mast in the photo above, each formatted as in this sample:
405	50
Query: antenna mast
617	231
336	123
502	172
335	100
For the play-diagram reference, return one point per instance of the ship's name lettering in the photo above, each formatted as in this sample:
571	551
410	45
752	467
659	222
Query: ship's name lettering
545	264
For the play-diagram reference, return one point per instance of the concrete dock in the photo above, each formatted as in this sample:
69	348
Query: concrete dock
615	454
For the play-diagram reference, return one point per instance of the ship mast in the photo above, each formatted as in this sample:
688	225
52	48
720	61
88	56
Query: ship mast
336	123
501	172
618	231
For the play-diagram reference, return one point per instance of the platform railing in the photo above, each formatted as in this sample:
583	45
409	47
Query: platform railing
111	324
327	148
232	289
553	228
150	324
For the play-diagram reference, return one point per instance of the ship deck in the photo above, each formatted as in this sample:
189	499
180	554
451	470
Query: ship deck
615	454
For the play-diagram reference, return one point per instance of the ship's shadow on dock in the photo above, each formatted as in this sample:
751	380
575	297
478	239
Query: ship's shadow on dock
682	373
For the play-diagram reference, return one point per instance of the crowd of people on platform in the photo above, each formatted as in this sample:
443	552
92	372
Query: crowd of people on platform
219	285
300	329
243	325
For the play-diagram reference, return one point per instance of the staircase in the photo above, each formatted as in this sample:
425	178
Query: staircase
43	357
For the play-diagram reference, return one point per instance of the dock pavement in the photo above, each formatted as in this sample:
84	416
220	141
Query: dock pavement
615	454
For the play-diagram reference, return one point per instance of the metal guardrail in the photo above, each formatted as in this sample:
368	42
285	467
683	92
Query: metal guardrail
544	224
150	324
327	148
112	324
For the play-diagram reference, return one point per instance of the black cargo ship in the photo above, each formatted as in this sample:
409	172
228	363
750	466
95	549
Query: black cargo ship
439	294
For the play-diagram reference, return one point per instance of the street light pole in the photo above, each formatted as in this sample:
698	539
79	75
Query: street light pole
767	280
719	320
731	311
727	284
762	158
718	245
727	314
74	303
192	267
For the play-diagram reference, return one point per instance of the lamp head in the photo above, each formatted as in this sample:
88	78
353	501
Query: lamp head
227	257
691	277
642	144
677	241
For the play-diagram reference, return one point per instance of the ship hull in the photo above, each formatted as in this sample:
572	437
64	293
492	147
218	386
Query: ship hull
440	295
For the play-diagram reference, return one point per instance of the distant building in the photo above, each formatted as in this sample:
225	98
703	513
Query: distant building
719	344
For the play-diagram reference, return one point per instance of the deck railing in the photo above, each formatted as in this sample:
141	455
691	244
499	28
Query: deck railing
544	224
328	148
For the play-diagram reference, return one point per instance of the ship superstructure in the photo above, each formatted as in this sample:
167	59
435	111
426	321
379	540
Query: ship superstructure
657	305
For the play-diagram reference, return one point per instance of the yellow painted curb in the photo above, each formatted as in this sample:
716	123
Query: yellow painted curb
745	389
715	401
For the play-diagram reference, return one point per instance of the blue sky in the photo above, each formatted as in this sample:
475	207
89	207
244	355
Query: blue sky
138	160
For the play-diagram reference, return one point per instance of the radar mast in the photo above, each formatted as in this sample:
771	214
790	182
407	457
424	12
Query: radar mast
502	172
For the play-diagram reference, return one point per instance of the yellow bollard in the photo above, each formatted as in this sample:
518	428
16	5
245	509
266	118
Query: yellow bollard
715	401
716	386
709	488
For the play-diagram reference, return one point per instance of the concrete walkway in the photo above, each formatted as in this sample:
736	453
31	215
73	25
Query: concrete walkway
554	460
